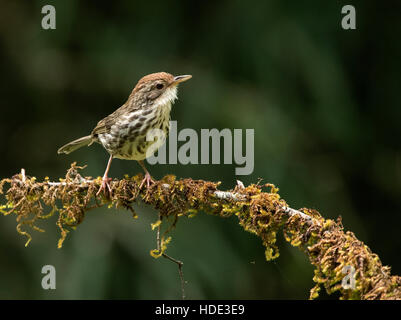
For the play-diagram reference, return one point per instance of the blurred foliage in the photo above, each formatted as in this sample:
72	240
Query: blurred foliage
324	103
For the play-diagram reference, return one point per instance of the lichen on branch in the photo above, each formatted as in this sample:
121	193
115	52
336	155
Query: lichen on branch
259	209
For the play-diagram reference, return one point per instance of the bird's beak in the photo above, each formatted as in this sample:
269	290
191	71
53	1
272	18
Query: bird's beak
179	79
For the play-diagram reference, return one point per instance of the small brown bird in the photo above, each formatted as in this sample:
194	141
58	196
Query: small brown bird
124	132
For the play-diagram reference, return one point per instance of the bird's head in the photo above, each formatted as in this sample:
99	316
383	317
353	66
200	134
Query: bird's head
157	88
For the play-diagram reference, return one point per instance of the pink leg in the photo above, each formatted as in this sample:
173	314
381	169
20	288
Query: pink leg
148	179
105	181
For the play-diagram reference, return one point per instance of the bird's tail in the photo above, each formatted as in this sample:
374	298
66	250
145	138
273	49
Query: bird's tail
76	144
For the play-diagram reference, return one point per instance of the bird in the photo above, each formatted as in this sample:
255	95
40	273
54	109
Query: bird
124	132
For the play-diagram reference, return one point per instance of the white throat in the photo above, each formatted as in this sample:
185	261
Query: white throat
167	98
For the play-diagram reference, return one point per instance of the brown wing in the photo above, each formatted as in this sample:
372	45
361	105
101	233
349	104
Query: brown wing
134	102
104	125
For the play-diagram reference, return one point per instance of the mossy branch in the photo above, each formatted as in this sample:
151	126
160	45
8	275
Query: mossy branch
330	249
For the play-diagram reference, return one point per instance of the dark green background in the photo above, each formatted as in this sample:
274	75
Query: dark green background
324	102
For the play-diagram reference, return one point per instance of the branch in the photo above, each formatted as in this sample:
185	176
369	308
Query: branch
329	248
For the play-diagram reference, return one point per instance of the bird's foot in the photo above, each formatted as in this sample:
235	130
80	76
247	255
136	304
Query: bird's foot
105	186
148	179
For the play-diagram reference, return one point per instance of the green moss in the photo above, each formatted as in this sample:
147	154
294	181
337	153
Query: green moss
259	210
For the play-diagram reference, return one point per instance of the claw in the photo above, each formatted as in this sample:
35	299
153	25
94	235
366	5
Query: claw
148	179
105	181
105	186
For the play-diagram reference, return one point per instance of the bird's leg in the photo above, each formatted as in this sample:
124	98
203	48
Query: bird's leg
105	181
148	179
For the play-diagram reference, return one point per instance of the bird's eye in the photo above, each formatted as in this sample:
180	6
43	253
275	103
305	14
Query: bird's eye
159	86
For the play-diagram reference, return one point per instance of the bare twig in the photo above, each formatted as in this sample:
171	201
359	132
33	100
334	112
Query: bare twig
178	262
